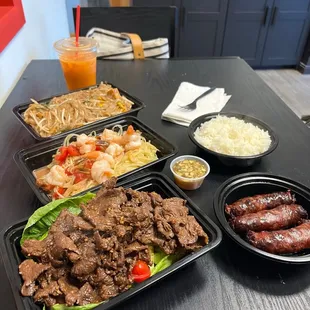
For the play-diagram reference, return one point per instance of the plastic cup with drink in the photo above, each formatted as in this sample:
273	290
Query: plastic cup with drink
78	61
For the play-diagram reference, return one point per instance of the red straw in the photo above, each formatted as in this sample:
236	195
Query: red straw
77	25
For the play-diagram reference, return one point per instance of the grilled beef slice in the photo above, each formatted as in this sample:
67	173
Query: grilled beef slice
30	271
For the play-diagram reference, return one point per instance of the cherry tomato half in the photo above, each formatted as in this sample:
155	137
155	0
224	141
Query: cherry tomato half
79	176
58	190
68	172
62	155
141	271
73	151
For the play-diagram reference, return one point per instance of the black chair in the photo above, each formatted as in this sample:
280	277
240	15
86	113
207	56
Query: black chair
148	22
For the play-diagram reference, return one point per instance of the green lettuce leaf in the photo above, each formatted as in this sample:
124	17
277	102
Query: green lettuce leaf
64	307
158	256
162	261
41	220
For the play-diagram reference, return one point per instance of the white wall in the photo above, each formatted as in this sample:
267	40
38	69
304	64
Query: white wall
46	22
72	4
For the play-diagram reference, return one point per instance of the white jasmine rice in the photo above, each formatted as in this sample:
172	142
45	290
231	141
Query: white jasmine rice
232	136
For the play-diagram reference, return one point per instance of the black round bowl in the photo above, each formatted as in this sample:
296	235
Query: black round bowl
230	160
249	184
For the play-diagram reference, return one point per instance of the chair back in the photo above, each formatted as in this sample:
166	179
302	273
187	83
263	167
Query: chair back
148	22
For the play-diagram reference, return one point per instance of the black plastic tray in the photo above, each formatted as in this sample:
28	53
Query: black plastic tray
20	109
249	184
158	182
40	154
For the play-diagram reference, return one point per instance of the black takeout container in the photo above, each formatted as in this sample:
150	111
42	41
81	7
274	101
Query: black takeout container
19	110
230	160
40	154
250	184
158	182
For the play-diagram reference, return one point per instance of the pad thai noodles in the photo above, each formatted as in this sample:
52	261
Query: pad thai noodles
90	160
75	109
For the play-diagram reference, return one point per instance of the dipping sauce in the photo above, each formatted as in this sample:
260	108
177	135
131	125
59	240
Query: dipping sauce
189	168
189	171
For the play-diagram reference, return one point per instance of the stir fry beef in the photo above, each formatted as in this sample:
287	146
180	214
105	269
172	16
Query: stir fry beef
34	248
48	293
87	295
88	258
156	199
30	271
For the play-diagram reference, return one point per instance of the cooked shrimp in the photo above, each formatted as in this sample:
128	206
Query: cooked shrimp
84	139
134	142
132	138
111	136
85	143
101	171
97	155
86	148
57	176
129	136
93	155
109	158
114	150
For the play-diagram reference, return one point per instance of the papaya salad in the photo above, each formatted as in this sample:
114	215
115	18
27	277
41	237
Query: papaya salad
90	160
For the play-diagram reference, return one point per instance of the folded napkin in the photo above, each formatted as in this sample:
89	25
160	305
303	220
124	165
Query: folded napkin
187	93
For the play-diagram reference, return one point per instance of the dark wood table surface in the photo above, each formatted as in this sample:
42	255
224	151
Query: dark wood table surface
228	277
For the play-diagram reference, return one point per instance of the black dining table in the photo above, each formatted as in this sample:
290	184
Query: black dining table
229	277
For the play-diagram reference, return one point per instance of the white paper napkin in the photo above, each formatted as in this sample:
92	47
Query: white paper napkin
187	93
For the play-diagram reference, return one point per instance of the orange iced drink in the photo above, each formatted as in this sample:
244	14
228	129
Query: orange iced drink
78	62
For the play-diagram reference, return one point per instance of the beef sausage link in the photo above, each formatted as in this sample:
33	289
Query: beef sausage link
283	216
287	241
258	203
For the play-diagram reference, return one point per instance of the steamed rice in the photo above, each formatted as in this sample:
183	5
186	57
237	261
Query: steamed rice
232	136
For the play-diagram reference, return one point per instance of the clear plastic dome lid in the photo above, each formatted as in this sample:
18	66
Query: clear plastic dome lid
69	45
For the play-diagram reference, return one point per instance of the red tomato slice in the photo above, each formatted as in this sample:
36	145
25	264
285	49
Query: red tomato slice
62	155
88	164
68	172
141	271
79	176
61	190
73	151
58	190
140	278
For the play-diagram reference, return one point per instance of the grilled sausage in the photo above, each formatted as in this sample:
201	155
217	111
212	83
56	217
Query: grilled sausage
280	217
287	241
258	203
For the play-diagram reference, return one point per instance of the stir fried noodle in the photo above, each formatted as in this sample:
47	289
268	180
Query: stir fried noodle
75	109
